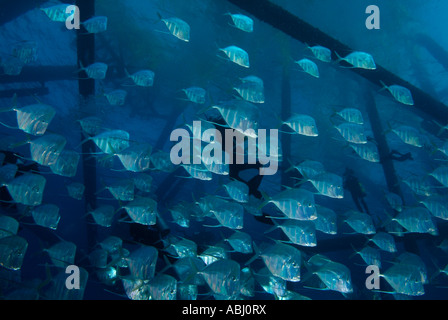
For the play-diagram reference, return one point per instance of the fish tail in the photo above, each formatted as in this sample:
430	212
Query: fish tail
339	58
383	86
255	257
266	198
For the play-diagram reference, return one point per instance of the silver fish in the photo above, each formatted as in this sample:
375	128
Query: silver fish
95	24
76	190
96	71
47	216
297	204
238	191
251	89
242	22
136	158
103	215
283	261
321	53
66	164
309	67
441	175
384	241
303	124
360	222
178	28
142	78
237	55
223	277
142	210
359	59
195	94
328	184
12	252
401	94
352	132
62	254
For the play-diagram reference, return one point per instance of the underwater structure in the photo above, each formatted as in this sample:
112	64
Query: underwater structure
89	179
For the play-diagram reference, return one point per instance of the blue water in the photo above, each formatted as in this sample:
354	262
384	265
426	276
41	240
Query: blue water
136	39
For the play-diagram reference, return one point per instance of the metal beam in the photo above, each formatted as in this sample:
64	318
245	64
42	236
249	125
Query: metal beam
42	74
285	21
86	55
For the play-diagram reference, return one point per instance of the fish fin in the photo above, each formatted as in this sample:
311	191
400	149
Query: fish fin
7	126
257	254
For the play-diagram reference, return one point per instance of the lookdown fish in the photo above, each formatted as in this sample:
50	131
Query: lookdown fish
360	222
308	168
76	190
352	132
241	116
33	119
334	275
177	27
26	51
326	220
96	71
121	189
57	13
12	252
12	66
46	215
371	256
240	242
242	22
359	59
195	94
283	260
367	151
328	184
297	204
96	24
116	97
321	53
236	55
352	115
309	67
302	124
111	142
302	233
142	210
66	164
26	189
103	215
251	89
401	94
437	205
223	277
238	191
441	175
62	254
142	78
384	241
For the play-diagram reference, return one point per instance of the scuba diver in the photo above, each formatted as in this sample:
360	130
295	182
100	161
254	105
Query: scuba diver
398	156
236	169
352	184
